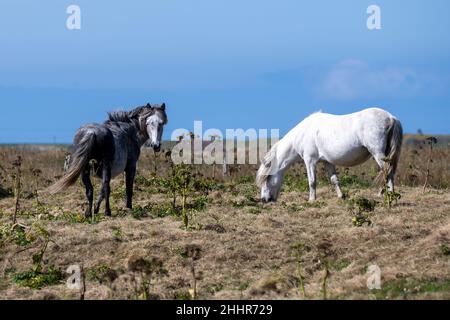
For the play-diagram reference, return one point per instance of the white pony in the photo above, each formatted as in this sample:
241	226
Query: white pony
346	140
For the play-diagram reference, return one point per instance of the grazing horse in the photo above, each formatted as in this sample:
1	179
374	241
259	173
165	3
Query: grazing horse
112	148
346	140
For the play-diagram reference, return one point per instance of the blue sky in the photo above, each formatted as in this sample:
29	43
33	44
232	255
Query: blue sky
232	64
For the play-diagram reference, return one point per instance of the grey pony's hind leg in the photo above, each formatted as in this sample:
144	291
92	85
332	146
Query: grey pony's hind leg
331	169
101	197
85	177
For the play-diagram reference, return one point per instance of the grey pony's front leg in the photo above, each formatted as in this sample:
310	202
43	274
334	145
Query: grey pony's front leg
106	188
130	175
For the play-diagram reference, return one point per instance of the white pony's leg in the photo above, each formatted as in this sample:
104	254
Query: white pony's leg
381	163
379	159
390	184
311	165
334	179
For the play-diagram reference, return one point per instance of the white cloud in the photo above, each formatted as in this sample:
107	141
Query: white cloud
352	79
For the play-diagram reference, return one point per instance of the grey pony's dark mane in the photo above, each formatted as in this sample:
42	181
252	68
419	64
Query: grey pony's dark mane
133	115
125	116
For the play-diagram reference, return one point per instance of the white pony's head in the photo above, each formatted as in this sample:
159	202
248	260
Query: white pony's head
269	178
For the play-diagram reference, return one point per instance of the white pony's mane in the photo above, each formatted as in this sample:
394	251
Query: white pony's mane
266	168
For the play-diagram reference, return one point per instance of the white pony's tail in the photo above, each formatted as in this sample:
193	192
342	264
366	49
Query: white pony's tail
394	146
266	168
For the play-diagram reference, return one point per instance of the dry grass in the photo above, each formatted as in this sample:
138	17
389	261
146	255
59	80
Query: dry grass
246	248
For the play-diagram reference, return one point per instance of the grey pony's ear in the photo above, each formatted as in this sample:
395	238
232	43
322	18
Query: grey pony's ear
163	107
145	114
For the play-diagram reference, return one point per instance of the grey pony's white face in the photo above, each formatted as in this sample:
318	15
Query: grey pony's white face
270	189
155	128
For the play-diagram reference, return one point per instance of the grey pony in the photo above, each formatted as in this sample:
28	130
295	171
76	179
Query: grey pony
110	149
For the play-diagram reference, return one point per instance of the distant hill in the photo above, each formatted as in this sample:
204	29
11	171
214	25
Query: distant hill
443	141
409	139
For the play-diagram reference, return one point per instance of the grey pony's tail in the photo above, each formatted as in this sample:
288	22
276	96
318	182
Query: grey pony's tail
394	146
80	159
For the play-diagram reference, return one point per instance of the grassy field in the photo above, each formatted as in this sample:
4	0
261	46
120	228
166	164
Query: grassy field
225	244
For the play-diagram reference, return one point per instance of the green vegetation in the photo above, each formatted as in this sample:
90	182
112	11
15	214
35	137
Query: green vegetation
390	197
193	253
245	179
144	271
21	237
361	208
444	249
299	249
183	296
102	274
296	183
404	288
183	184
296	208
78	218
340	264
348	180
325	254
37	279
117	233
